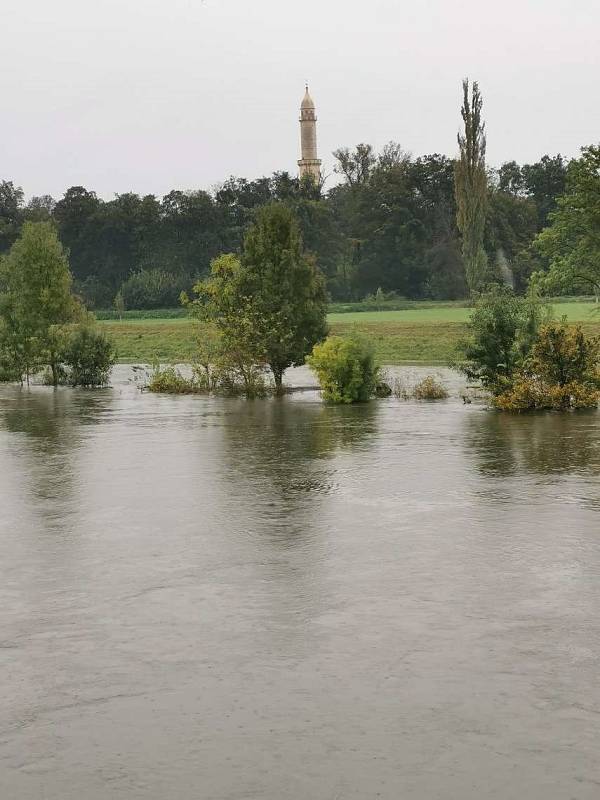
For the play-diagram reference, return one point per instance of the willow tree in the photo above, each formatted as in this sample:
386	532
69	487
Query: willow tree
471	187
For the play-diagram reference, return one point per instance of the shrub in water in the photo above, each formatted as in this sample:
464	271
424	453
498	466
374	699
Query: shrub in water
346	368
89	357
430	389
562	372
169	380
502	329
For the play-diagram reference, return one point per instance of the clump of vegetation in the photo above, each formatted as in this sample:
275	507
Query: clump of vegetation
503	328
42	324
169	380
269	307
430	389
346	368
570	244
150	289
89	357
562	372
222	378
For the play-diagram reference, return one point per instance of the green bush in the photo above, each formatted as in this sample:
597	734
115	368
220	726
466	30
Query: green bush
89	357
503	328
346	368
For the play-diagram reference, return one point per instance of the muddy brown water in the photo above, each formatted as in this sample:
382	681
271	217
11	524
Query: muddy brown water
220	599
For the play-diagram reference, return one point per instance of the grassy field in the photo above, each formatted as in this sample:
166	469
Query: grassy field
426	335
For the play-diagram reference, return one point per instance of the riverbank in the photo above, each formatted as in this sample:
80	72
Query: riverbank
427	335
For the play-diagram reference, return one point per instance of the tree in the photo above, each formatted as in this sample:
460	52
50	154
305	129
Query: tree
510	178
225	308
502	330
36	301
572	242
471	187
544	182
285	288
11	213
270	306
355	165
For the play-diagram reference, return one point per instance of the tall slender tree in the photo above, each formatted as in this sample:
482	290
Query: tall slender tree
471	187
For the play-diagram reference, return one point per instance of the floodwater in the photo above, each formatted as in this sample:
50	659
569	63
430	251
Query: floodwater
219	600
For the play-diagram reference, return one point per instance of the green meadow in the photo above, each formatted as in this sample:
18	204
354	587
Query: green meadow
418	335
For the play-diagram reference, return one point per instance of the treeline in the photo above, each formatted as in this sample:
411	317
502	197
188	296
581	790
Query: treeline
390	224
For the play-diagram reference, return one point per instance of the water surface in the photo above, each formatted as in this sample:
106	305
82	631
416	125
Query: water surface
220	599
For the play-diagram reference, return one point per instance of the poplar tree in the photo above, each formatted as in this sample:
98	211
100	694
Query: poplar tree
471	187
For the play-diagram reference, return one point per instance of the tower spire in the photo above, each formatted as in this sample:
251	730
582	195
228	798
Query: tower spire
309	164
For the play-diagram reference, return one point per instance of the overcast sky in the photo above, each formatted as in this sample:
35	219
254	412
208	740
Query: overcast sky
149	95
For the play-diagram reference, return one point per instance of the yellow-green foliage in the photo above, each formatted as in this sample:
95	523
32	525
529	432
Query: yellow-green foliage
430	389
531	394
346	368
562	372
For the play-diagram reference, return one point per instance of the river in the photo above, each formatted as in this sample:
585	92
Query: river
221	599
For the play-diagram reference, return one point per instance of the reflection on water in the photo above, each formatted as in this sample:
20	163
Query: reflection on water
545	443
286	444
276	599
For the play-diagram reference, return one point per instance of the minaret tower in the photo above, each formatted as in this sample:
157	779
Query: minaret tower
309	164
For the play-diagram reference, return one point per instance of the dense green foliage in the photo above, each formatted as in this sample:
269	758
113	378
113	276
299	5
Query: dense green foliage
35	302
270	306
346	368
572	242
150	289
88	356
502	330
389	224
42	324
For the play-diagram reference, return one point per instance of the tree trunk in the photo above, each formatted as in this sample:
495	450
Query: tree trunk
278	378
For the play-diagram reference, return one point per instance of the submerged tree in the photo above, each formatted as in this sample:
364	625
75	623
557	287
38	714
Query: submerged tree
36	300
270	306
502	330
286	290
471	187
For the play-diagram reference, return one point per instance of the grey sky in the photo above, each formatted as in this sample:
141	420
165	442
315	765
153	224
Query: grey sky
149	95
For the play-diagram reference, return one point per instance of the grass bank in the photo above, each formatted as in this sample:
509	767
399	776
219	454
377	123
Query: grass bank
419	335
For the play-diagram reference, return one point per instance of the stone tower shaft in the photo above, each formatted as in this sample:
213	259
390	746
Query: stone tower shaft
310	163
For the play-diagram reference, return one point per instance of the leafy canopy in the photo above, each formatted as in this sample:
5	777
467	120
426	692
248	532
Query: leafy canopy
270	306
572	242
502	330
